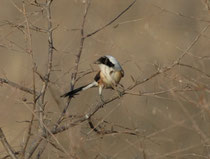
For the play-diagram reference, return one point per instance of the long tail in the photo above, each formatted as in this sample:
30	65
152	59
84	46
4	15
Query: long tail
75	91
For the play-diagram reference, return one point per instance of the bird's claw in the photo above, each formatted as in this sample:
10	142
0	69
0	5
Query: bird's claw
102	100
120	94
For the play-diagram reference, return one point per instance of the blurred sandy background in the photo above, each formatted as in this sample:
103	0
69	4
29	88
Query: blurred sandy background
152	32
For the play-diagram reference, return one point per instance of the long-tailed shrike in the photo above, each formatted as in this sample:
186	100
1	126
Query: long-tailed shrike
109	76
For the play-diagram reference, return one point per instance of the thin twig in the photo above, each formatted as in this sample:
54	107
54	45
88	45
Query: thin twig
17	86
33	147
6	145
29	48
49	63
111	131
41	150
77	60
181	14
8	156
175	63
160	92
22	27
112	21
194	68
46	81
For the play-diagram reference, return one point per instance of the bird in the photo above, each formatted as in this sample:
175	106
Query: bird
109	75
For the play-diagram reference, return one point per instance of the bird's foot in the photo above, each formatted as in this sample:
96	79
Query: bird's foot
102	100
120	93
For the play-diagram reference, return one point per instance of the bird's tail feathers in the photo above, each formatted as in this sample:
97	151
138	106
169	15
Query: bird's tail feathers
75	91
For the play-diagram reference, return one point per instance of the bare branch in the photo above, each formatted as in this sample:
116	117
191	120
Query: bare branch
21	27
29	42
33	147
194	68
102	131
42	104
77	60
112	21
175	63
6	145
17	86
181	14
50	58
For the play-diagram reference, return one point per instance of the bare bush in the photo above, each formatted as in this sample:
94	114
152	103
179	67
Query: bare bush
48	48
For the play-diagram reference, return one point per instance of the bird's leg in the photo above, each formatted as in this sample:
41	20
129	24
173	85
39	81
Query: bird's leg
121	86
123	89
102	98
100	93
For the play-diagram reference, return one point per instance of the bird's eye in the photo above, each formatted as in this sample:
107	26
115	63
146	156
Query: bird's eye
106	61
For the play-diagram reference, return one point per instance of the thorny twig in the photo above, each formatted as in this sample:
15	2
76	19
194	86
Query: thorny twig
29	49
77	60
42	104
49	63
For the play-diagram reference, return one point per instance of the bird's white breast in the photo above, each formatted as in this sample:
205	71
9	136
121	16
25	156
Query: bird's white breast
109	75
